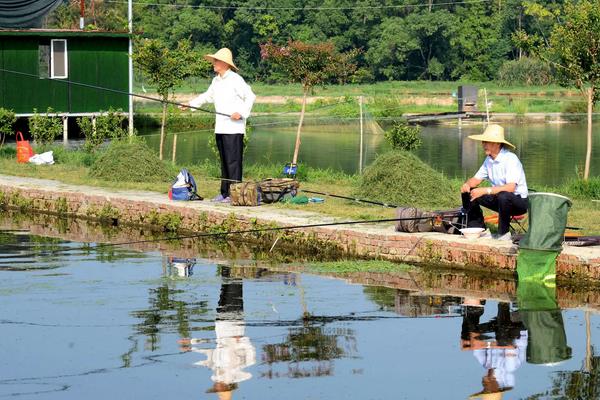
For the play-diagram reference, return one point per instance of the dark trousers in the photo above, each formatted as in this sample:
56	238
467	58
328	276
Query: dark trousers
231	151
506	204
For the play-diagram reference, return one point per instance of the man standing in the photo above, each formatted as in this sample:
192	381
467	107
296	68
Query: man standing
233	100
502	168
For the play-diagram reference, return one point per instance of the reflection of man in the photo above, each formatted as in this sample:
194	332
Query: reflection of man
501	355
233	351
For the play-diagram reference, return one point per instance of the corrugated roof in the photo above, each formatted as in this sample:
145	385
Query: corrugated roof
61	33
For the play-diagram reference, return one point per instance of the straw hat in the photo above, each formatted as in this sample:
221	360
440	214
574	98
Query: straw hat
494	134
224	55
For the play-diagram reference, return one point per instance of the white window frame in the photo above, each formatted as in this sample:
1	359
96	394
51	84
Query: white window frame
52	75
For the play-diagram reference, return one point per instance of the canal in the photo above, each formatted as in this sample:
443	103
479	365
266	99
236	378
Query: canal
211	320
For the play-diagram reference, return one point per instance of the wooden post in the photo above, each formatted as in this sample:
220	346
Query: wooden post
94	124
65	129
360	154
297	147
174	148
487	108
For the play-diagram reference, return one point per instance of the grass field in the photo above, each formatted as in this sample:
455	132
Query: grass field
398	98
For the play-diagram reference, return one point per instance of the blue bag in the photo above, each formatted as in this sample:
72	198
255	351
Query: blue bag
184	187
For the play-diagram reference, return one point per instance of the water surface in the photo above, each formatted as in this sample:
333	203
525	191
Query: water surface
80	321
550	153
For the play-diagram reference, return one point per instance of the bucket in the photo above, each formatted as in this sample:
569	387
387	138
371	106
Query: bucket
547	222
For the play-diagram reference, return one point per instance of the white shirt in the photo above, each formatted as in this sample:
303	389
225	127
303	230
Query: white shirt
506	168
230	94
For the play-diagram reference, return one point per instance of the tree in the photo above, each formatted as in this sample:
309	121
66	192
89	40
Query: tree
166	69
309	65
575	51
7	120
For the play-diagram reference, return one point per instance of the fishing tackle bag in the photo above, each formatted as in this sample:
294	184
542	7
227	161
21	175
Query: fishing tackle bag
184	187
278	189
245	194
412	219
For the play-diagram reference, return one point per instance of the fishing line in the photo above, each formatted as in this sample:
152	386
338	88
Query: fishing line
90	86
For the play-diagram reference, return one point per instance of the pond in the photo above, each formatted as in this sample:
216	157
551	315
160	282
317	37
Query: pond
550	153
86	321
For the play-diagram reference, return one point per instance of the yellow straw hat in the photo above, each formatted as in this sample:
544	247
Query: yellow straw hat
224	55
494	134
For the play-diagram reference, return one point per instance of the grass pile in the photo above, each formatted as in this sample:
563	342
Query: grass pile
134	161
401	178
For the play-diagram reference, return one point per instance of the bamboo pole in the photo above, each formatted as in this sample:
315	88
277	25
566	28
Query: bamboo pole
174	148
297	147
588	151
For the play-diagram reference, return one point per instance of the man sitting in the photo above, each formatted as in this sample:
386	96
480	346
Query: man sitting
502	168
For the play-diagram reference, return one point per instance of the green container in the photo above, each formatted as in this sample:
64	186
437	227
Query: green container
547	222
536	265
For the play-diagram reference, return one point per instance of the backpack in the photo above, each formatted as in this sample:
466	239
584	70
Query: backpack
184	187
278	189
245	194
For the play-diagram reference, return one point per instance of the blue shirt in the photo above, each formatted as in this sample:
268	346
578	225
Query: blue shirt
506	168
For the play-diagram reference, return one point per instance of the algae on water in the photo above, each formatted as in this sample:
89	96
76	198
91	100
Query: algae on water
401	178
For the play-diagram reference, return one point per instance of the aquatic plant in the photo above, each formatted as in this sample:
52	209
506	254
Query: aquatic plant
131	161
400	177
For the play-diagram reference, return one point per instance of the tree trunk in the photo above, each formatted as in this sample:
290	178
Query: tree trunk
588	152
297	147
162	130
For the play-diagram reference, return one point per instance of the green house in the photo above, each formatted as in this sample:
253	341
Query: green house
50	68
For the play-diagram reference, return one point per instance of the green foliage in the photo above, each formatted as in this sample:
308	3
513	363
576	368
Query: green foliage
109	125
401	178
527	71
166	68
310	64
583	189
403	136
575	46
71	157
131	161
45	128
7	120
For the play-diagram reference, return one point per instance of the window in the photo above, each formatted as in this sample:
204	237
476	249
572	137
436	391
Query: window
58	58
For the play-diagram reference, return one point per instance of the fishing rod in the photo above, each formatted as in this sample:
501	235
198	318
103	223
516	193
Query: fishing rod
90	86
226	233
350	198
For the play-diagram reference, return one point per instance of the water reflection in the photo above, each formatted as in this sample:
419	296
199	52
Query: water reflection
180	267
233	351
498	345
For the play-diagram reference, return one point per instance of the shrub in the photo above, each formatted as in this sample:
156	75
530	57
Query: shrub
44	128
583	189
109	125
131	161
403	136
401	178
526	71
7	120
